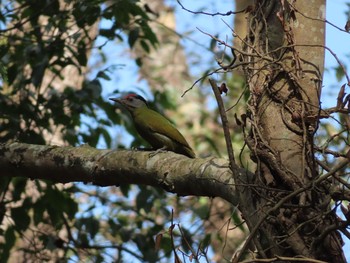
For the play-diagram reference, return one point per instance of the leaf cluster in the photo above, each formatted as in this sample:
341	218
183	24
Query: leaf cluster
42	45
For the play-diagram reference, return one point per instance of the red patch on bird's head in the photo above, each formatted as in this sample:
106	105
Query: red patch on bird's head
133	95
136	96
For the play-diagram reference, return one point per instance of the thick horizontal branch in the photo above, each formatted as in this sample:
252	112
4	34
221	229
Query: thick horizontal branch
172	172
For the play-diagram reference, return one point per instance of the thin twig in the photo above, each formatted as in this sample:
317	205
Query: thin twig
279	259
335	169
225	125
200	79
171	228
119	247
210	14
283	47
194	253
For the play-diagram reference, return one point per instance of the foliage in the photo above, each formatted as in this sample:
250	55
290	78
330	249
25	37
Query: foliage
41	42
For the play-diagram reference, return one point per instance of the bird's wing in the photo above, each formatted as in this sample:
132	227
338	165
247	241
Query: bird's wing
161	125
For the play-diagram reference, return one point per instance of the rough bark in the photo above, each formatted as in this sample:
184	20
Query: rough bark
284	76
172	172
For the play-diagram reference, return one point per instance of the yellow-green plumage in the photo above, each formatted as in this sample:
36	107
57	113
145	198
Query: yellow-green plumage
160	132
154	127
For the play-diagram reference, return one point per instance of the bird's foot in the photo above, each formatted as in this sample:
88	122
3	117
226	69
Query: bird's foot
141	149
160	150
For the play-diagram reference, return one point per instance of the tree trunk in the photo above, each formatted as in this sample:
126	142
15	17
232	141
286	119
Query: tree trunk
284	74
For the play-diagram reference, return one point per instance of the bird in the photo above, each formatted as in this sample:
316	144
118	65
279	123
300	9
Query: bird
154	127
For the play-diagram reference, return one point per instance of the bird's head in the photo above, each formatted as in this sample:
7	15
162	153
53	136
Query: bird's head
131	101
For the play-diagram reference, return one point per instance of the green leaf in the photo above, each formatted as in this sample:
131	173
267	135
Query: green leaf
206	241
93	228
101	74
18	185
133	36
114	228
109	34
81	55
238	221
20	217
39	207
93	88
166	245
83	238
339	73
145	46
213	43
12	73
149	34
89	225
144	200
3	72
64	203
125	234
125	189
107	137
7	246
86	12
138	62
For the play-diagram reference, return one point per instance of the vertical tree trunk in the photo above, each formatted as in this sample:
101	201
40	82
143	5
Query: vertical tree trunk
284	75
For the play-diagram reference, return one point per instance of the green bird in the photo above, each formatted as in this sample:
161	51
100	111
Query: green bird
154	127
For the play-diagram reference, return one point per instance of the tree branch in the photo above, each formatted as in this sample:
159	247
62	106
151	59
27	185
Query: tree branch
172	172
225	125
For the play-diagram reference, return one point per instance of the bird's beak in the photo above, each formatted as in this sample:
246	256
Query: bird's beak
117	100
